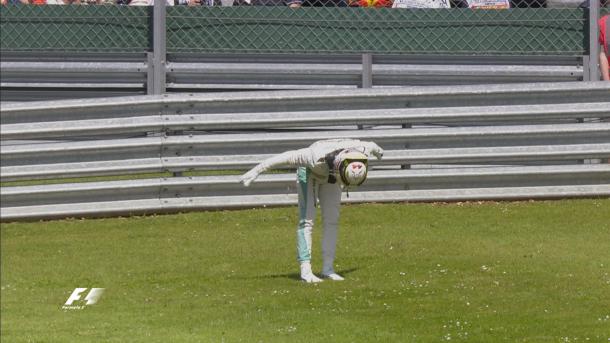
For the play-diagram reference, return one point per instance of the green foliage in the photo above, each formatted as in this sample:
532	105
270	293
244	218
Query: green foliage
480	272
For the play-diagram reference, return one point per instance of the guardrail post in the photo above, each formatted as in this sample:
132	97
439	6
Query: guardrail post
367	70
592	67
150	73
367	74
159	48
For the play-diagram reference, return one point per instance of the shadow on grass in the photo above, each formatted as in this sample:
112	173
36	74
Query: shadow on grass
297	276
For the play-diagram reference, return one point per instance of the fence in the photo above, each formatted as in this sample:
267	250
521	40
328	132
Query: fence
93	51
442	144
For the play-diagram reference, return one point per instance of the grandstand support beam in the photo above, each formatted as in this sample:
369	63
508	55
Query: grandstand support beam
159	48
593	69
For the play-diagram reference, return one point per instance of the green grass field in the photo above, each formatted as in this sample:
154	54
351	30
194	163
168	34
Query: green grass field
477	272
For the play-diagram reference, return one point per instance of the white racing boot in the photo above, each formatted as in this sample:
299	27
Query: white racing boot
307	275
329	273
333	276
328	269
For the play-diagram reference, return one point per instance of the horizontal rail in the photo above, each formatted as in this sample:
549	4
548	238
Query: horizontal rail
328	70
269	120
310	100
25	76
71	86
31	67
337	58
537	149
485	155
380	180
216	144
169	205
307	58
182	75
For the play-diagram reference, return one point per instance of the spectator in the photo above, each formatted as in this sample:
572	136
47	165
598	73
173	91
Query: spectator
604	51
63	2
146	2
189	2
316	3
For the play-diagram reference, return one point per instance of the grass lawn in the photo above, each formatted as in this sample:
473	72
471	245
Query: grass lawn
478	272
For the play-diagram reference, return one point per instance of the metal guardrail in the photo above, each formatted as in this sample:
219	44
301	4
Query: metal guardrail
171	205
178	202
378	180
248	143
440	150
49	78
282	75
269	120
485	155
308	100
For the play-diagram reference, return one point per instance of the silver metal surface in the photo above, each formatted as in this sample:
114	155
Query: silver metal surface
268	120
548	146
24	75
593	60
308	100
380	180
161	205
159	47
485	155
216	144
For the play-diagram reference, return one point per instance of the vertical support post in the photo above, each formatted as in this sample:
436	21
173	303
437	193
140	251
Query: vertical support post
594	72
593	41
367	74
150	73
586	67
367	70
159	47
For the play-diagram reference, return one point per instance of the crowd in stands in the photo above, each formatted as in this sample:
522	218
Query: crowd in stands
485	4
91	2
106	2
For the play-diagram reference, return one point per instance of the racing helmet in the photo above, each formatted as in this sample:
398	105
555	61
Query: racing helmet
353	168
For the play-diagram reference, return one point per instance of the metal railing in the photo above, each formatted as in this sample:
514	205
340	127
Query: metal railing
175	47
436	150
311	100
23	80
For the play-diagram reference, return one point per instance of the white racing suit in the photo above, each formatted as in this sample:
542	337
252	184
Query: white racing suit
316	181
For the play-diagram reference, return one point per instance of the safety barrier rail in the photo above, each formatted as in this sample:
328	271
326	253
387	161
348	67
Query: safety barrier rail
310	100
269	120
54	78
437	149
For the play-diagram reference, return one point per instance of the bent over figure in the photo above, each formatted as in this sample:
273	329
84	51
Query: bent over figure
323	169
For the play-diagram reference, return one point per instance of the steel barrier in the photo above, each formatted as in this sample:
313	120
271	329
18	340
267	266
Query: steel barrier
23	79
439	156
278	120
308	100
548	147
